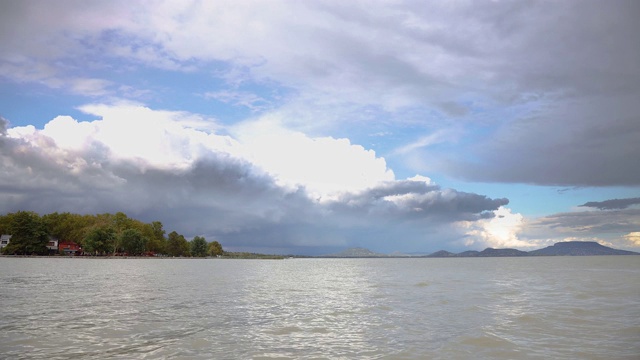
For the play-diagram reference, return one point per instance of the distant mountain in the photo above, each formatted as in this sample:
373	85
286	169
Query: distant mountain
569	248
488	252
441	254
468	253
356	252
579	248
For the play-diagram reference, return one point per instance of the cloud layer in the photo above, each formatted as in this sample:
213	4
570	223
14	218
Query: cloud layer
295	124
612	204
612	222
156	165
553	87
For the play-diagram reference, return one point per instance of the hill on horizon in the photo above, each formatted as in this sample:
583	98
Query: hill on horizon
356	252
567	248
579	248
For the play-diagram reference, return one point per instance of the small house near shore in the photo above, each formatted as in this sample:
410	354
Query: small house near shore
52	245
70	248
4	240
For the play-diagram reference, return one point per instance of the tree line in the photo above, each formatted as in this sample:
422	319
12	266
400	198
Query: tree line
101	234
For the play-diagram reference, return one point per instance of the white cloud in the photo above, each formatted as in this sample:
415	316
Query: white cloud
162	139
633	238
89	87
323	165
500	231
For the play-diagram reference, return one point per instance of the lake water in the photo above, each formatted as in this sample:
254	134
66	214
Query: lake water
491	308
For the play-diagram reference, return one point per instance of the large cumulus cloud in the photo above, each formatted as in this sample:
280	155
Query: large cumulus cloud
209	185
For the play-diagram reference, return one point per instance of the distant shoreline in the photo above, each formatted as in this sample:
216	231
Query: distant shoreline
294	257
569	248
264	257
98	257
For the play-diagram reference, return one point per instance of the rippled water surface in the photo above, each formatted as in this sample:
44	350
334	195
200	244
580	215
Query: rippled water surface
502	308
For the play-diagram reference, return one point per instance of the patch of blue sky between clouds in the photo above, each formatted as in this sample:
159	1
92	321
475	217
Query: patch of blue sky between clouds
205	92
536	200
17	104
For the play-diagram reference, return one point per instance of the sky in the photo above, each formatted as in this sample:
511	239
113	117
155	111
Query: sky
307	127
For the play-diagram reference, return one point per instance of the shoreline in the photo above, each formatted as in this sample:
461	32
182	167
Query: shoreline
278	257
101	257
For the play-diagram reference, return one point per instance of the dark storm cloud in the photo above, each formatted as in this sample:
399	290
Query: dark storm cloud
417	199
535	45
589	142
569	70
610	223
227	198
557	84
552	86
44	179
613	204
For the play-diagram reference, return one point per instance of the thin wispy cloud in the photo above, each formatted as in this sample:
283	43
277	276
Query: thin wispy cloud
613	204
239	98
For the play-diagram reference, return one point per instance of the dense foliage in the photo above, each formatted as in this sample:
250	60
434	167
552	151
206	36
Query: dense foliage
215	249
133	242
29	233
100	240
177	245
198	247
101	234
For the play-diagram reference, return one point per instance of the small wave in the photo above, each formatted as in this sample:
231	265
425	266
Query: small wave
285	330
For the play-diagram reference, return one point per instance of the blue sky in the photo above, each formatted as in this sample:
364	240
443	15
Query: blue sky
308	127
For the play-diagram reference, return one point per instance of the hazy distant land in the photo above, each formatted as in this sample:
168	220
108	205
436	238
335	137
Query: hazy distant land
569	248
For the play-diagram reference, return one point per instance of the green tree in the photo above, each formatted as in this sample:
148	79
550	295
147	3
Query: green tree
5	223
67	226
133	242
121	222
100	240
177	245
28	234
198	247
215	249
156	241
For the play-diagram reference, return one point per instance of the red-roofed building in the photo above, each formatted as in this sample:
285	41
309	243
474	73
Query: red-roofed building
70	248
